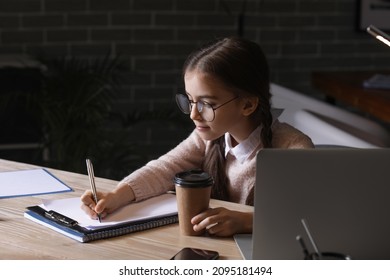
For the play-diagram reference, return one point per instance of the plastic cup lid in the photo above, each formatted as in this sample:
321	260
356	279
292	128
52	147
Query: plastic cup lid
193	178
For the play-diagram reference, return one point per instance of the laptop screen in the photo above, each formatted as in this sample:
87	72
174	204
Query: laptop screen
322	203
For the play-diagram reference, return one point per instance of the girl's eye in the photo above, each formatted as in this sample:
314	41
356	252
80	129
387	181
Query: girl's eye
206	104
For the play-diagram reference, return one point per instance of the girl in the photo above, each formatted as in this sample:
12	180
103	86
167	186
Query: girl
227	96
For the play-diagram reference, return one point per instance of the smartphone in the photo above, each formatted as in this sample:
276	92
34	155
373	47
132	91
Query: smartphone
195	254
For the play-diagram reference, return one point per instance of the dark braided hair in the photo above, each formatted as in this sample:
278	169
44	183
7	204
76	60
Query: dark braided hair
241	65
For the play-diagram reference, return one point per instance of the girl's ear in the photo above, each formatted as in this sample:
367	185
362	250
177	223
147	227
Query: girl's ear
250	105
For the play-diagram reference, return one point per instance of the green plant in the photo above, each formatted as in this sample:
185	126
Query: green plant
73	105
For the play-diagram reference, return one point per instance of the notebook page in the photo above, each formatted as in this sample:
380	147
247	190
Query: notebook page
154	207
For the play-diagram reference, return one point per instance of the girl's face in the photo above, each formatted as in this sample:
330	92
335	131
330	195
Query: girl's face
228	118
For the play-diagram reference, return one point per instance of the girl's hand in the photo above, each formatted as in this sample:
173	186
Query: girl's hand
108	202
223	222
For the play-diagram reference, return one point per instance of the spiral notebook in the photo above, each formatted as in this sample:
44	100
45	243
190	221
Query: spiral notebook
66	217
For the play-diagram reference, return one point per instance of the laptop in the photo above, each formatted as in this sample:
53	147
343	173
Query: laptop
320	204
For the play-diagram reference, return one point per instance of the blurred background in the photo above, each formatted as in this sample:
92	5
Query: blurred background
97	78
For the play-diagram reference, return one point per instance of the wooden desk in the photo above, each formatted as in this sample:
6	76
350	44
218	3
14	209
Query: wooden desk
347	87
24	239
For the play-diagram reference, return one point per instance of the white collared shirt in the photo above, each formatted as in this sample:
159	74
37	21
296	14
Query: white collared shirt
244	149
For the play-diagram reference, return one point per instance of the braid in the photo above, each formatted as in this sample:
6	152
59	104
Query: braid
266	120
214	164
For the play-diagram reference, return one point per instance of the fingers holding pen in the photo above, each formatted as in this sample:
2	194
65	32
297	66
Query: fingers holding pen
90	207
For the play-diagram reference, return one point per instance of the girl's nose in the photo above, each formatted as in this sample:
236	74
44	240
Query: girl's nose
195	115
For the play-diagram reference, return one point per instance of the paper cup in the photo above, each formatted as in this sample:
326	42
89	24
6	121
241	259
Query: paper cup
193	189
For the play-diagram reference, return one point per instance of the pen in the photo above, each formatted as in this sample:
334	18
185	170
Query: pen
91	176
313	243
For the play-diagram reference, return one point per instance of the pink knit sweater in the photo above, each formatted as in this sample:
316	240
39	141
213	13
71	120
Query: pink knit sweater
156	177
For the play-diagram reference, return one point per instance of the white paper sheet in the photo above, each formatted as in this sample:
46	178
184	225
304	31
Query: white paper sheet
158	206
30	182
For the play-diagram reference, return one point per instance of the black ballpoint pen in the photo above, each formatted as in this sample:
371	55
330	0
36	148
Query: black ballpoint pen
91	176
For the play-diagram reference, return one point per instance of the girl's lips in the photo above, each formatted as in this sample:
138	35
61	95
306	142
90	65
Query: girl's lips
202	128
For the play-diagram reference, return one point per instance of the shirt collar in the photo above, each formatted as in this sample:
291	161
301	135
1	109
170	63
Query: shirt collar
244	149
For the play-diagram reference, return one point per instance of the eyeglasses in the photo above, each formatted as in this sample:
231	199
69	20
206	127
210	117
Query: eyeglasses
206	111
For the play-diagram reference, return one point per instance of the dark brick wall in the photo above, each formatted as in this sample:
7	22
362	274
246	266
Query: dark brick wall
154	36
